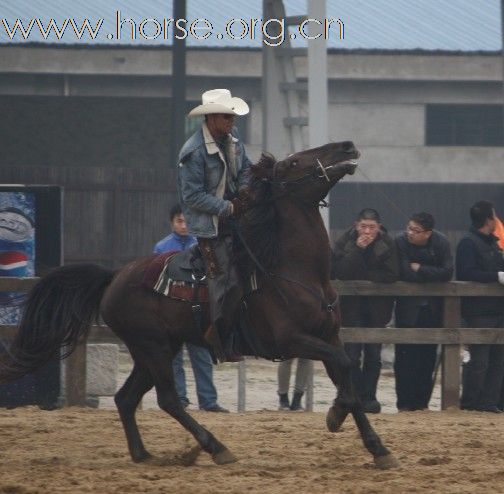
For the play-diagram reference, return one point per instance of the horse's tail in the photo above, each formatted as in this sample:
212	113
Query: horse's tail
58	311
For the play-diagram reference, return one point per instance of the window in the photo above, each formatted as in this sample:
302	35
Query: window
464	125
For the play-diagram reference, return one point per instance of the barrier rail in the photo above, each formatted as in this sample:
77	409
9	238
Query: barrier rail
450	336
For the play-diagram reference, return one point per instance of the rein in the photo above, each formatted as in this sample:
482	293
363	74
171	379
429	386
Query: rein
283	185
329	307
268	274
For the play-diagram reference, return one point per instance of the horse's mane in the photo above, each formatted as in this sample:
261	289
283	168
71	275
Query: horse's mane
260	223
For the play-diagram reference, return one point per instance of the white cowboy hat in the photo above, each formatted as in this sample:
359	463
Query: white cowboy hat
219	101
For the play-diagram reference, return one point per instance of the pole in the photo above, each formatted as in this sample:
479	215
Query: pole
317	82
242	385
178	80
317	109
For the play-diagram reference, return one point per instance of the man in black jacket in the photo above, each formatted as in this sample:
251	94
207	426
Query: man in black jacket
366	252
480	259
424	255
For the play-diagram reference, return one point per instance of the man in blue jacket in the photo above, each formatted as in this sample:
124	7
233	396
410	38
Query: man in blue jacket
211	182
201	362
480	259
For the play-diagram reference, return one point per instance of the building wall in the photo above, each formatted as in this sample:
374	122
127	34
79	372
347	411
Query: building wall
377	100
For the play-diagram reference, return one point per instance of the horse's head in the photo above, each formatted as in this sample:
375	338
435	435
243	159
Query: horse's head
309	174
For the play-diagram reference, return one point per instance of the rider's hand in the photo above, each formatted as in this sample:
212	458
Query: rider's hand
241	203
500	275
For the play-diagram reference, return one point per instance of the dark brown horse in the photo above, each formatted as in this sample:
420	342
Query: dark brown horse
294	312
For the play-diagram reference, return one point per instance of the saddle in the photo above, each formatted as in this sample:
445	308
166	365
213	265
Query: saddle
181	275
178	274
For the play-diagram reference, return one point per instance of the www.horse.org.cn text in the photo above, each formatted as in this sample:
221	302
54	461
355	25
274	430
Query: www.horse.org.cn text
272	31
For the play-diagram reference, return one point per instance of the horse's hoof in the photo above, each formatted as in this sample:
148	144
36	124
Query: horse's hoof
224	457
385	462
189	457
141	456
335	419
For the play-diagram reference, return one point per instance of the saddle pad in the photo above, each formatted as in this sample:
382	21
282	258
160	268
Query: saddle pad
155	268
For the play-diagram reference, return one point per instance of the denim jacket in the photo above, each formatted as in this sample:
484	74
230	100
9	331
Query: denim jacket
202	180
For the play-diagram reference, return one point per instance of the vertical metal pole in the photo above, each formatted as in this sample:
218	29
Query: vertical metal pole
242	385
178	80
317	82
273	105
317	108
309	389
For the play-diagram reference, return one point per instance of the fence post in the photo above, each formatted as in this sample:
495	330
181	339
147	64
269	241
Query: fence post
75	379
242	384
309	388
450	377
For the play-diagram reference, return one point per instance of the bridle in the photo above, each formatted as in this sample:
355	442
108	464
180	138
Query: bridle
318	172
284	187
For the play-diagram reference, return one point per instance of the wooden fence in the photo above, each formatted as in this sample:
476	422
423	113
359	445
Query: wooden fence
450	336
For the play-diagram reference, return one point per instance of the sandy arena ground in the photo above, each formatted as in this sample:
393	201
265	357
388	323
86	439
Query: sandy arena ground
83	450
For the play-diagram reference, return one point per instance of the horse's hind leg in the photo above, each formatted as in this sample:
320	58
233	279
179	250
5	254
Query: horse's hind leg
127	400
160	366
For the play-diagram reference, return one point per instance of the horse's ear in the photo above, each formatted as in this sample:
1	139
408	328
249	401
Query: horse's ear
264	167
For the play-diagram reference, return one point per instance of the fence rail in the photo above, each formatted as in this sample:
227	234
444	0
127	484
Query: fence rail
450	336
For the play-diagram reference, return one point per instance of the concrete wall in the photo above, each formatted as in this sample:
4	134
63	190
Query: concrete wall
377	100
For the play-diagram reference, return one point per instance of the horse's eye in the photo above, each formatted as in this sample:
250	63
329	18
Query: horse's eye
293	164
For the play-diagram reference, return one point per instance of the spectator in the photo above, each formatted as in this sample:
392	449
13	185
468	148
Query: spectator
480	259
201	361
304	366
424	255
499	232
366	252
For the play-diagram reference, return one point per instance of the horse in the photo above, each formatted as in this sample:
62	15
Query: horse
294	311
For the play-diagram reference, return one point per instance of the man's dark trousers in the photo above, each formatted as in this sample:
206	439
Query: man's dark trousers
224	284
483	375
414	367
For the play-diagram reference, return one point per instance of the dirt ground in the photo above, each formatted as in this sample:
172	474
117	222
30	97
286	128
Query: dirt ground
83	450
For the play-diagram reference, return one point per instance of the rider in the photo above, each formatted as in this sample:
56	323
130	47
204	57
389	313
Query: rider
212	171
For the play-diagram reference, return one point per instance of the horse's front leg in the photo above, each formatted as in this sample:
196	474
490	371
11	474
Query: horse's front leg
337	365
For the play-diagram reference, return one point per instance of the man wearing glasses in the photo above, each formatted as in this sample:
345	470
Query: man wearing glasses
424	256
212	171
